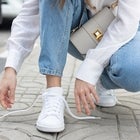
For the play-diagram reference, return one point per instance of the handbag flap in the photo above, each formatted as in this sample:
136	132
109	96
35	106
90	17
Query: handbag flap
99	22
88	35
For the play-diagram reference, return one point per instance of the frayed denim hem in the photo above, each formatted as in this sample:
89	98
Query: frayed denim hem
46	71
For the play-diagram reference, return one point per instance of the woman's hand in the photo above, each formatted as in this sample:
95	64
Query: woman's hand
7	88
85	96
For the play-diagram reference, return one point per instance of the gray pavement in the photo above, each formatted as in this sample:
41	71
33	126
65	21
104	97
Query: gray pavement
121	122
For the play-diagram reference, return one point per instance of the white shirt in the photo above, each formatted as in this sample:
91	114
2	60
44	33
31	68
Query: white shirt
26	30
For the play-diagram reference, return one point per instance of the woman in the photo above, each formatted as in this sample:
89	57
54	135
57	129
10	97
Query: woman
56	22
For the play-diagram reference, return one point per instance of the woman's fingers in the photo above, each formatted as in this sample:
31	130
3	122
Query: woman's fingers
12	95
5	99
83	97
78	103
90	100
85	104
95	96
7	88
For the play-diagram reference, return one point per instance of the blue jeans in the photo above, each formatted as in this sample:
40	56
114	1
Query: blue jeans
123	70
56	24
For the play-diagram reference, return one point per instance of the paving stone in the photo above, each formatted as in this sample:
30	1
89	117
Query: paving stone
119	109
29	96
19	131
34	91
30	84
88	132
26	100
2	63
129	133
124	122
121	122
132	99
131	104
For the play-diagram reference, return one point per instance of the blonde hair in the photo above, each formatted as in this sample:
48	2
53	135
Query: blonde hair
61	2
88	2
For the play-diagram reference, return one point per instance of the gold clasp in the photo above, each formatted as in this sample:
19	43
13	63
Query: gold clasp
98	35
114	4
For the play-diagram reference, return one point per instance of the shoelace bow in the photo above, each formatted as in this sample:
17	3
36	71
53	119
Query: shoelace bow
65	103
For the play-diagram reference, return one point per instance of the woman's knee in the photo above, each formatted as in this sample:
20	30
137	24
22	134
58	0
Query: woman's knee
124	68
126	74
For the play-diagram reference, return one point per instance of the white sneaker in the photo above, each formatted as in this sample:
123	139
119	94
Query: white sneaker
51	118
106	97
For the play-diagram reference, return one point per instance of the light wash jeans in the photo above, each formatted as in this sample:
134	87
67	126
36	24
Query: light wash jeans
123	70
56	24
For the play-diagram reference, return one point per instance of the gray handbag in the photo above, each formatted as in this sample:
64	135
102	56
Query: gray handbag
90	33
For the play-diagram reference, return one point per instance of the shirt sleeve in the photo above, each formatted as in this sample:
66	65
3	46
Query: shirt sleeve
122	29
24	32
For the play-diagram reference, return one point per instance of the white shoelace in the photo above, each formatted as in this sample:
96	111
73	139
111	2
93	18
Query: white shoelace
66	105
53	106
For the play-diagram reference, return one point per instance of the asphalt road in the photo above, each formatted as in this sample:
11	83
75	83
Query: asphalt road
5	29
4	32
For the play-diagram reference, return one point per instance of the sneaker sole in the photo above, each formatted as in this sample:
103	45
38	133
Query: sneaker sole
106	105
45	129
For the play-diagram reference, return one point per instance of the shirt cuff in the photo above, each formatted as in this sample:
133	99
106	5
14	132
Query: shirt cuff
89	71
14	60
